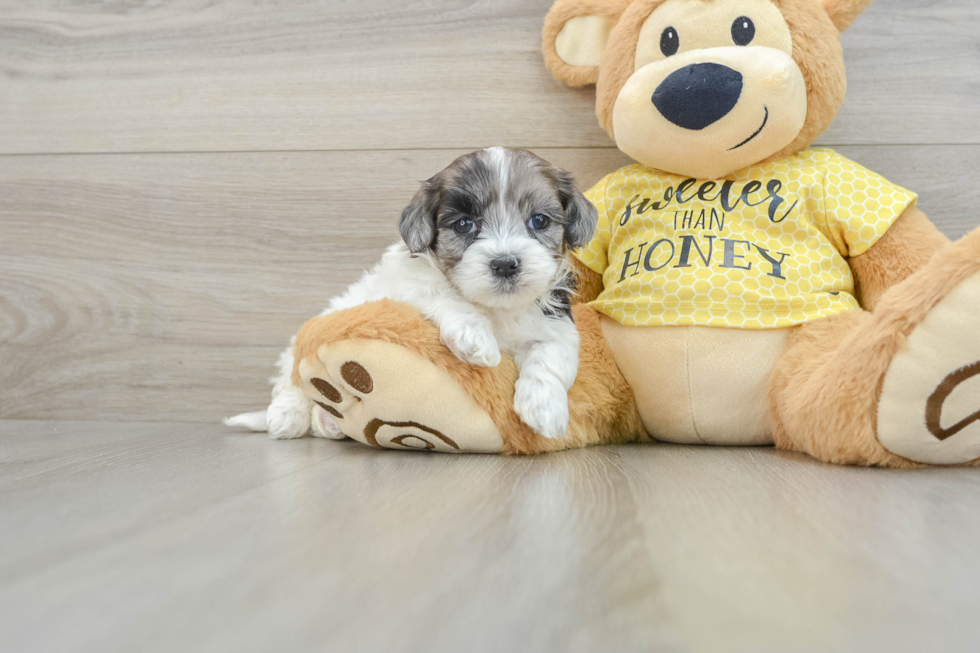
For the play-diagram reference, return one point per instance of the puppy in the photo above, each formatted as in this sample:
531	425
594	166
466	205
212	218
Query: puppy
484	259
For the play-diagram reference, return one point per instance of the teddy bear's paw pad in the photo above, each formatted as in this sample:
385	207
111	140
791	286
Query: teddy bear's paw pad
384	395
929	410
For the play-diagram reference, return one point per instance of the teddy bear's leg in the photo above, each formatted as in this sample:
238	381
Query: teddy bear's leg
897	387
381	373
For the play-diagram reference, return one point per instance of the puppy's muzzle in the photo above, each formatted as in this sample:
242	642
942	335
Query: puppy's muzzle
698	95
505	267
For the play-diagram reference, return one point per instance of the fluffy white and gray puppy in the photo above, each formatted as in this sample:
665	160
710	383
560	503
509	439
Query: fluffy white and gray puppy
484	258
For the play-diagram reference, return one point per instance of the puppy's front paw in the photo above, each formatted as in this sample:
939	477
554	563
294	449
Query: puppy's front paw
289	415
542	404
323	425
473	342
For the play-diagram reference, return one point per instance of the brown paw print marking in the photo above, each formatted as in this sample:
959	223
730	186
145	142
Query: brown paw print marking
371	430
401	440
934	407
357	377
327	390
330	409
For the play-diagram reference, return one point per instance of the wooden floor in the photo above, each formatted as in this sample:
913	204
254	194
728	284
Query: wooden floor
154	537
184	182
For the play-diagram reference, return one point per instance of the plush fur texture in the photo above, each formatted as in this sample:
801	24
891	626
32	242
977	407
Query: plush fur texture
825	388
845	12
588	282
717	106
816	50
562	12
906	247
599	413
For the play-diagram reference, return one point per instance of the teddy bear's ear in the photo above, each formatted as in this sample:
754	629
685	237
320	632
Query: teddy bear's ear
575	34
845	12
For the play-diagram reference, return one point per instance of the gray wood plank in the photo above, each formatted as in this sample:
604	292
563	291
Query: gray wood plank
156	537
162	287
246	75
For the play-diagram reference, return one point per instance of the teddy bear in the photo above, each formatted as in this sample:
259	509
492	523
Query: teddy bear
742	288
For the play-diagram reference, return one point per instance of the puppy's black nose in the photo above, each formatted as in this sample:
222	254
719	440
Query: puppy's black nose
505	267
699	95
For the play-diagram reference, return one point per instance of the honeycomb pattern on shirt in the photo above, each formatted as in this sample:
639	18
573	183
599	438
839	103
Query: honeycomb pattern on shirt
764	248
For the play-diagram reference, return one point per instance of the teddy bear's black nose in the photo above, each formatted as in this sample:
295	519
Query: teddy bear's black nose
698	95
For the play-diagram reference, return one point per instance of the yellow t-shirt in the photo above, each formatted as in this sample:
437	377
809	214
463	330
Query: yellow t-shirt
762	249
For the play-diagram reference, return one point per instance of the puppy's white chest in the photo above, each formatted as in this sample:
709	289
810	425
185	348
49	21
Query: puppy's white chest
514	332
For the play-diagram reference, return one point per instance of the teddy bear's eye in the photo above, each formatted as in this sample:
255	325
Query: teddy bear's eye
743	30
669	42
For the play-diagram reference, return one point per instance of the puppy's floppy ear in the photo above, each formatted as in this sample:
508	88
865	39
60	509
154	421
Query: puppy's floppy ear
581	216
417	224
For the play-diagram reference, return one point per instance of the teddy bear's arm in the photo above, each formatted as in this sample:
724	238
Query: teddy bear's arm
589	282
906	247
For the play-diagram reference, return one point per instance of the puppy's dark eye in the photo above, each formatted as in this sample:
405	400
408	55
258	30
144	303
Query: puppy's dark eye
538	222
669	42
743	30
464	226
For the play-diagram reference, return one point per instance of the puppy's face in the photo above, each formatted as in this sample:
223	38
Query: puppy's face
497	222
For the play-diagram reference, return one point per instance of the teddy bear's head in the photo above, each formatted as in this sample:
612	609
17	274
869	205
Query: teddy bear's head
705	87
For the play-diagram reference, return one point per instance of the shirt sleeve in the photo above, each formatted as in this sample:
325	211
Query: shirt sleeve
860	205
593	255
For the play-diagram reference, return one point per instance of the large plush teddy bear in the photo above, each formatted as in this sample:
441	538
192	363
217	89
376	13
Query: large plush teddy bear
741	289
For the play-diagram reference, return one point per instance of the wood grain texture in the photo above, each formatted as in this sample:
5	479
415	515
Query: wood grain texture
256	157
161	287
149	537
233	75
